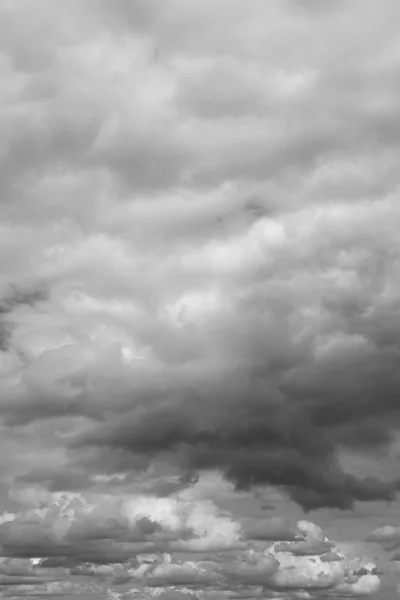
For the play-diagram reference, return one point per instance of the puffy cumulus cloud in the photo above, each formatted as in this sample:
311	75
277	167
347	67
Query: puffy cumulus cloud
299	572
159	545
199	273
270	572
111	529
315	565
267	573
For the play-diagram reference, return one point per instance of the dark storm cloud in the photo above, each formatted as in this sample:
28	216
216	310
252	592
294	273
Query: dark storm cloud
252	438
300	299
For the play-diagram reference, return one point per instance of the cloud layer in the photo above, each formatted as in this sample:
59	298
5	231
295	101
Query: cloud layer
131	541
199	277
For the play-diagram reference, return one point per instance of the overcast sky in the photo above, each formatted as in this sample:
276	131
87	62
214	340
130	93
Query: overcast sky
199	299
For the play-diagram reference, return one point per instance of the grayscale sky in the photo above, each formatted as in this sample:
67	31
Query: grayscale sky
199	299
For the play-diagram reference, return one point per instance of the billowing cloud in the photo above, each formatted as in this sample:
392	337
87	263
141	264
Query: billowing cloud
199	279
253	326
121	527
133	541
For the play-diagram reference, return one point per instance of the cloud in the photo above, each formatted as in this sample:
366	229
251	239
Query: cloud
199	278
250	446
270	530
387	535
306	548
134	540
120	528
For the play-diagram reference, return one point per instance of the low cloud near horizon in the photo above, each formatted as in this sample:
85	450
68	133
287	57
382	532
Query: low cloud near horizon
199	299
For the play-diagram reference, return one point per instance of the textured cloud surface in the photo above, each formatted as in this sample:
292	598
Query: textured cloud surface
199	299
129	540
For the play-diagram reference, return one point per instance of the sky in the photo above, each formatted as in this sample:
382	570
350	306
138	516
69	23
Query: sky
199	299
